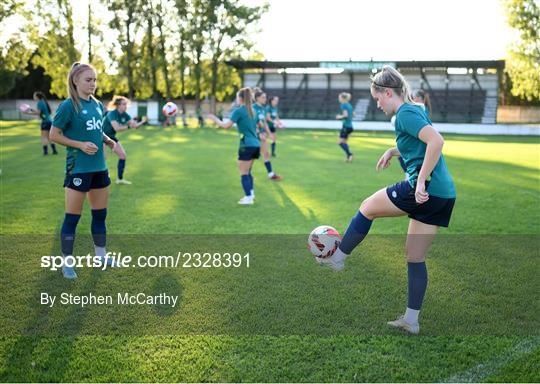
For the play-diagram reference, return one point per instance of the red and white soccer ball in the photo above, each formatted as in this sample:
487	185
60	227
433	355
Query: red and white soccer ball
170	109
323	241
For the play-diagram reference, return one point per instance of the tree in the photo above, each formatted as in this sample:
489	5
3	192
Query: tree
57	51
229	23
523	63
160	14
17	48
125	17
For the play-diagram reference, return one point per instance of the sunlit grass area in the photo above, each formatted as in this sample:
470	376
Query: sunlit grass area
284	318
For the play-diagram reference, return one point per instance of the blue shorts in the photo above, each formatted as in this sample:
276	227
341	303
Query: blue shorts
249	153
272	127
435	211
345	132
46	125
84	182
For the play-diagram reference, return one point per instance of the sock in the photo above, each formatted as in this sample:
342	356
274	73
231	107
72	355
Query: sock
67	233
418	279
246	184
99	230
53	147
357	230
121	166
411	316
345	147
45	150
402	163
273	148
268	166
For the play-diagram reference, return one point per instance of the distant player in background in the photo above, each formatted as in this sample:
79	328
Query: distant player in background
272	118
427	197
259	107
44	112
118	120
78	125
250	147
345	116
422	97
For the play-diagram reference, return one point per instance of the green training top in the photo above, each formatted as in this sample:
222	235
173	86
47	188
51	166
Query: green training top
410	119
260	115
247	127
44	113
347	122
273	111
114	115
84	124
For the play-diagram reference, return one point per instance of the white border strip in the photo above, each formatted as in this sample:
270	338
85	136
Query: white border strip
467	129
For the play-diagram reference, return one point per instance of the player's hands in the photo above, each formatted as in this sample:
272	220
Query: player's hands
421	194
384	161
88	147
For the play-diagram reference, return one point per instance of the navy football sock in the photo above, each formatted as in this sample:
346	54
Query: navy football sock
246	184
345	147
98	227
268	166
418	279
121	166
67	233
356	232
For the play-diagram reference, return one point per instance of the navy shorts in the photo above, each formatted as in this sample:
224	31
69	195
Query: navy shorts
435	211
86	181
113	138
272	128
345	132
249	153
46	125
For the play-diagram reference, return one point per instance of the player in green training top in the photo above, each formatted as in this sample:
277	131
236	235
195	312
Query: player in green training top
78	125
250	147
427	197
272	118
44	112
345	116
118	120
259	107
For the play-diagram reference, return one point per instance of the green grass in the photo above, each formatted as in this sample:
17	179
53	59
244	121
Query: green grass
284	318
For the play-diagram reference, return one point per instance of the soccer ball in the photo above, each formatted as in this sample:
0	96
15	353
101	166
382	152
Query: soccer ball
170	109
323	241
24	108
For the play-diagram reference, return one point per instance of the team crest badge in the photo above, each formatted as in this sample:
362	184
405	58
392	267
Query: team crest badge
77	181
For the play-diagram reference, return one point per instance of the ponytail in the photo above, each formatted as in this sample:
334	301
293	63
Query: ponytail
247	99
426	100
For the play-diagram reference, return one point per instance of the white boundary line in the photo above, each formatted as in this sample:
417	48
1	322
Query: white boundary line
467	129
486	369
